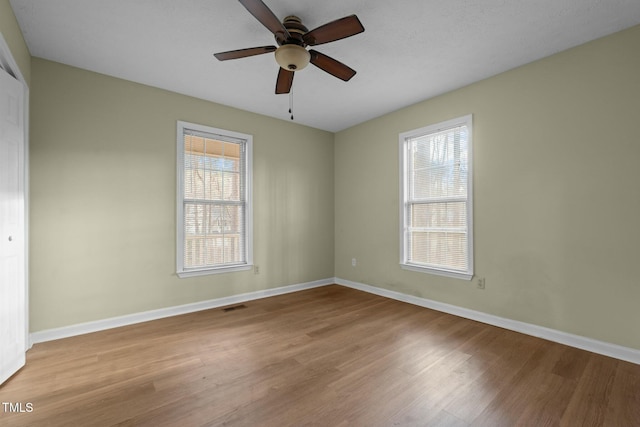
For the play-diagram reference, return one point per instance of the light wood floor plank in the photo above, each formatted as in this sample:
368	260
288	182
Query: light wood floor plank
329	356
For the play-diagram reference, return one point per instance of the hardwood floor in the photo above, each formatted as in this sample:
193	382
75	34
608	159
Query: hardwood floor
329	356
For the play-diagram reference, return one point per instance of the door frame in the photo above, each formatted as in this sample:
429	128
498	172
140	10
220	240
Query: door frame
8	63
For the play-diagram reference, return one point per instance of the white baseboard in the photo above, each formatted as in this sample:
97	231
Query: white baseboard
584	343
130	319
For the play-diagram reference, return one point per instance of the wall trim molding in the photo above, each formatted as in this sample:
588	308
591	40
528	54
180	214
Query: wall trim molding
145	316
577	341
607	349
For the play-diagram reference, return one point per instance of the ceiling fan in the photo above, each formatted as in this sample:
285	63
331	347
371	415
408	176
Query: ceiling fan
293	38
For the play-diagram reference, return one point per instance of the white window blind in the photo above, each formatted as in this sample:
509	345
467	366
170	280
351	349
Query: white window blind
436	229
214	200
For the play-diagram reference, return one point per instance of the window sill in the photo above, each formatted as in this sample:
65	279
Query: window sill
446	273
217	270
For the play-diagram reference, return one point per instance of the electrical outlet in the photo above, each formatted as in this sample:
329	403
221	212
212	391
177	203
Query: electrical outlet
354	262
256	269
480	284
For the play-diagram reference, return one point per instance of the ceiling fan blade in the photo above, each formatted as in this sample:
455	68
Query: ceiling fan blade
335	30
243	53
266	17
331	66
284	82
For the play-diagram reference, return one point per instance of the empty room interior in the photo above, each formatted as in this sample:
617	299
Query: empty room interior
432	221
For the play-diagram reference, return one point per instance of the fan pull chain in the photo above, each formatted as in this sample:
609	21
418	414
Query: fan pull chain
291	103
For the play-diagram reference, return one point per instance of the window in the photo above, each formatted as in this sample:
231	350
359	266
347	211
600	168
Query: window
436	209
214	200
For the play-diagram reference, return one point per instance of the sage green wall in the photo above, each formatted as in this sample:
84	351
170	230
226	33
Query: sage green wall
556	193
13	36
103	196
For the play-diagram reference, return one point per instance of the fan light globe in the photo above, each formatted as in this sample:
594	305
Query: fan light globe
292	57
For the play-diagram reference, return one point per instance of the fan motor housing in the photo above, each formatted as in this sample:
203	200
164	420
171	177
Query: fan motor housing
293	24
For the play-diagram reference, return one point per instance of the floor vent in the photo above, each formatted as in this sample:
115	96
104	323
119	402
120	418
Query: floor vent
234	307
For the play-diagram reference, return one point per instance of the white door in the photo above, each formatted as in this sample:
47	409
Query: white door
12	228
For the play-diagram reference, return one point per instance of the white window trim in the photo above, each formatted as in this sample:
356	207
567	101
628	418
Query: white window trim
403	137
180	270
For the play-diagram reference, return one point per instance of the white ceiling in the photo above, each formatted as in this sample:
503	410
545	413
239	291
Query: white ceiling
411	50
